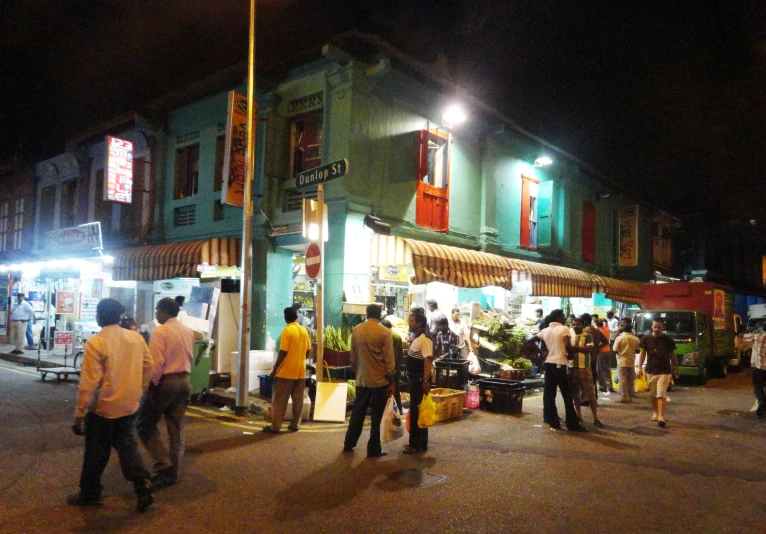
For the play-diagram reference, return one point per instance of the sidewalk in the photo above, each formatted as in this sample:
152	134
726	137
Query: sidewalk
29	358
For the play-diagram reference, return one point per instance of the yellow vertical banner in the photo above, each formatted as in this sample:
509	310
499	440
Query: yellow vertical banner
627	217
233	192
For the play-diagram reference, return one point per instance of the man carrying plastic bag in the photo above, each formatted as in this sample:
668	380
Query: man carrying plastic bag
391	426
420	357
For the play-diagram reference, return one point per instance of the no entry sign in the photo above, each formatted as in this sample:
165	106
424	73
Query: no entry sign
313	261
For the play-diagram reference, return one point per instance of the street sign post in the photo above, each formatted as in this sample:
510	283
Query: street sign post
313	261
320	175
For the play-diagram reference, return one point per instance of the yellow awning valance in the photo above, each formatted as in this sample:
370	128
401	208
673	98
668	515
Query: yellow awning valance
555	281
627	291
175	260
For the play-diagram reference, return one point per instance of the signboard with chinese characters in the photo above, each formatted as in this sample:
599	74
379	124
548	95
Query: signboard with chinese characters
82	237
627	218
235	151
118	186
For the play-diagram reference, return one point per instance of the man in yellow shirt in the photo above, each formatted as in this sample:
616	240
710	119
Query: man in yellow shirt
289	373
116	369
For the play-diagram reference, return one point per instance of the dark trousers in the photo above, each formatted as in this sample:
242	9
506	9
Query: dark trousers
418	436
759	386
556	376
101	434
604	371
374	398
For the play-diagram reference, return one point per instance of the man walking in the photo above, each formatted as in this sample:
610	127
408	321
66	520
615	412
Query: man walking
583	392
171	345
21	314
625	346
289	373
660	352
557	339
372	357
435	314
758	363
116	369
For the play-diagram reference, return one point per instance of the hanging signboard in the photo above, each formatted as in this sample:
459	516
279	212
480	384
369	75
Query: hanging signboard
235	151
118	186
65	302
82	237
320	175
627	217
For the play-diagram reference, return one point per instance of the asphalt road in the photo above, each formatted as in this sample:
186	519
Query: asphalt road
705	472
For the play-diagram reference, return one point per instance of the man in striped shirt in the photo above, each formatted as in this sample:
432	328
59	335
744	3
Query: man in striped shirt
583	392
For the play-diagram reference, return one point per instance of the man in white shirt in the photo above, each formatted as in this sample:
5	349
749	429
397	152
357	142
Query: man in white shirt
115	372
557	339
625	346
171	345
21	314
434	314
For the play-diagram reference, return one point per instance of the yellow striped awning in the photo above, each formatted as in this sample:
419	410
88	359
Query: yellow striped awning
555	281
627	291
175	260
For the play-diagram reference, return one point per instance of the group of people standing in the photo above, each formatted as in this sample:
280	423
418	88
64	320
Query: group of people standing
570	366
127	385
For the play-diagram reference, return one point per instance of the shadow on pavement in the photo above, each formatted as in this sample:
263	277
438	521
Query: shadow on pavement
224	444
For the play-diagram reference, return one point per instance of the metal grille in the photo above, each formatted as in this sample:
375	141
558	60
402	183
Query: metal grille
185	215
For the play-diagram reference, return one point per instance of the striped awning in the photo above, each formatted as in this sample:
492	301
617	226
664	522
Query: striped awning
555	281
174	260
627	291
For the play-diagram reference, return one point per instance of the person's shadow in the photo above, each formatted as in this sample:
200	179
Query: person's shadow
320	491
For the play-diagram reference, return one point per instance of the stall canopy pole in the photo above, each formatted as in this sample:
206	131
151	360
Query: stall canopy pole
246	282
319	304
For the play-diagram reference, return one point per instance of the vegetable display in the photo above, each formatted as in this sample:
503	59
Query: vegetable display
506	340
337	339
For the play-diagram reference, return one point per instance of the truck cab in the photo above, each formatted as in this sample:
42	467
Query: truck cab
689	331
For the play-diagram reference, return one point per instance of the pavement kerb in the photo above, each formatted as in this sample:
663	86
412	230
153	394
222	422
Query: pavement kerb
26	360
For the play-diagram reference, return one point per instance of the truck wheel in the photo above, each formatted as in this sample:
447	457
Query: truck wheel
723	370
704	377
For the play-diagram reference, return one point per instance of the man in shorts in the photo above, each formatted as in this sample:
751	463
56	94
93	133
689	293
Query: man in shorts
659	351
583	392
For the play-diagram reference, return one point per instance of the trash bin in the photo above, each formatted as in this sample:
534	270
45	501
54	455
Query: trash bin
200	370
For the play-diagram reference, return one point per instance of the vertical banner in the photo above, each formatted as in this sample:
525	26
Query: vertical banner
627	217
118	186
235	151
719	309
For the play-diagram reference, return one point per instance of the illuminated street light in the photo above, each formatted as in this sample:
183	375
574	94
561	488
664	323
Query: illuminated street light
453	115
543	161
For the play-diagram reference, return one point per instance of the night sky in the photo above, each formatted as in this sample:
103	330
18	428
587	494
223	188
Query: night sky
667	96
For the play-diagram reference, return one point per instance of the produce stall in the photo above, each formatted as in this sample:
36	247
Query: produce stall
500	344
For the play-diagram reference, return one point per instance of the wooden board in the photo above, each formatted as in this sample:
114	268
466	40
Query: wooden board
330	402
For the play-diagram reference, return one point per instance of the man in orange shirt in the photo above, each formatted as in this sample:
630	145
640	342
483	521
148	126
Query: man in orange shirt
171	346
289	373
116	369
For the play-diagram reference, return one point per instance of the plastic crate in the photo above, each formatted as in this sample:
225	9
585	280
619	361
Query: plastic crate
452	374
500	396
265	382
449	403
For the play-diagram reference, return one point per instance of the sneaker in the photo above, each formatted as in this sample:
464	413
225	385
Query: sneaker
17	352
78	500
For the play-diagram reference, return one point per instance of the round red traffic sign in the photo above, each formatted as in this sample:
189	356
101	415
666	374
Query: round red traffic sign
313	260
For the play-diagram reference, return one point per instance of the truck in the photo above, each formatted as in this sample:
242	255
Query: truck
700	318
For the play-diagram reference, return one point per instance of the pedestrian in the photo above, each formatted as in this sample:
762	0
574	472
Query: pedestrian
625	345
539	319
604	355
304	321
583	392
446	344
461	329
171	345
614	326
180	300
598	343
758	363
434	315
116	370
21	314
557	339
398	361
372	358
29	335
660	352
420	357
289	373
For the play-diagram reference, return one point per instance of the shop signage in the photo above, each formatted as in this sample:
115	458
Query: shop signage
394	273
719	309
235	151
63	341
319	175
313	261
65	302
627	217
82	237
118	186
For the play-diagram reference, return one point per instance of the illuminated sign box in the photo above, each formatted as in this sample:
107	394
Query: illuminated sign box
118	185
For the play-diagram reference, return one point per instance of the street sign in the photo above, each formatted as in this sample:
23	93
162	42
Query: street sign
313	261
320	175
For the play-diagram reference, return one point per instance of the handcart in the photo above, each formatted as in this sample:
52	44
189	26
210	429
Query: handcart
63	371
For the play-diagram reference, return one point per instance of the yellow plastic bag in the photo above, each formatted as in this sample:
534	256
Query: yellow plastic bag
615	379
641	384
427	415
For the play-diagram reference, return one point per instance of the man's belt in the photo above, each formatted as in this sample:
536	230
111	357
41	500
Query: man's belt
19	320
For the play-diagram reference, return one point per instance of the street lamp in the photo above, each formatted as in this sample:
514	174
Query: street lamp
453	115
543	161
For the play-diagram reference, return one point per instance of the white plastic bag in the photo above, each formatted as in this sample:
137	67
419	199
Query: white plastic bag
473	364
391	426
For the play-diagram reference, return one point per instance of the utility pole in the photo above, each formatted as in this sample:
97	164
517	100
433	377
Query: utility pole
319	304
246	282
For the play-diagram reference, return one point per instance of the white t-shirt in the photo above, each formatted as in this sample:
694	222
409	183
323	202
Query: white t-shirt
421	347
614	326
625	346
554	336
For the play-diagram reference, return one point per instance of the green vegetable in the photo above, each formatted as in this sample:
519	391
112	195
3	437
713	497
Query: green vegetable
522	363
494	324
338	340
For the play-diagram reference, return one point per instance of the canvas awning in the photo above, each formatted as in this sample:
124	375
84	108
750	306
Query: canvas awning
173	260
627	291
555	281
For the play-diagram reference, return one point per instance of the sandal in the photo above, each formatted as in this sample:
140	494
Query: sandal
654	418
